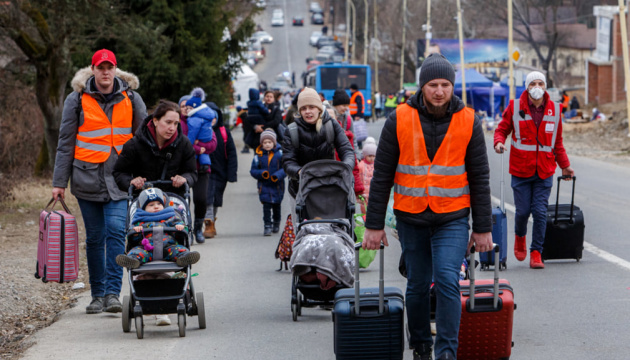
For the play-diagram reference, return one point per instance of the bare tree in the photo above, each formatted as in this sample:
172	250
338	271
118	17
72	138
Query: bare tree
47	32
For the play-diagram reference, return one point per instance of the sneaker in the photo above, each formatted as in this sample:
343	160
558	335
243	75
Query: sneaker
112	304
423	352
245	150
96	306
275	228
162	320
535	260
446	356
520	248
267	231
127	261
199	236
188	259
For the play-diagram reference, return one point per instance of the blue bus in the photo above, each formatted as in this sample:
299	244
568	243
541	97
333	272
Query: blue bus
327	78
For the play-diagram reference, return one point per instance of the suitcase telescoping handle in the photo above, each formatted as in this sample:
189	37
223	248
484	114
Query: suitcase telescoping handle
471	267
502	182
563	177
381	281
54	202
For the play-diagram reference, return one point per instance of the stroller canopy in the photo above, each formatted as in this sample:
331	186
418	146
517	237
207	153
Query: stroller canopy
326	189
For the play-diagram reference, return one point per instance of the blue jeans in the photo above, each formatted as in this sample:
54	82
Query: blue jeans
105	238
531	196
434	253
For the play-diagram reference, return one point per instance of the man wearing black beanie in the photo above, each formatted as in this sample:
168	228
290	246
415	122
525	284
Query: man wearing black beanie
432	151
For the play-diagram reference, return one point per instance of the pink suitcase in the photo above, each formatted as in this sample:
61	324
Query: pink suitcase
58	245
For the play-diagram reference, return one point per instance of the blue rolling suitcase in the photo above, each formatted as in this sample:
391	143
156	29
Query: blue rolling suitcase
499	232
369	322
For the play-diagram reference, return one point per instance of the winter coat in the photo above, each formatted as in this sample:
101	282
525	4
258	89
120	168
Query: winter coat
200	128
257	112
141	156
274	121
527	163
313	146
210	146
434	130
93	182
224	158
366	172
267	169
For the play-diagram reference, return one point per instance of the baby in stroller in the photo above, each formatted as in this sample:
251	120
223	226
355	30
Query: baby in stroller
152	212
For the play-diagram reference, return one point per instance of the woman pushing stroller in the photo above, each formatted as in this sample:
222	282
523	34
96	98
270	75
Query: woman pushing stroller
318	135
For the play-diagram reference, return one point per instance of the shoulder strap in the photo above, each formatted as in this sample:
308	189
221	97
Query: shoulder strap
223	134
330	133
293	132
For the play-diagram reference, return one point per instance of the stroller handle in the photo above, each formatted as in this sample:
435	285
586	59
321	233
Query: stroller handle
150	184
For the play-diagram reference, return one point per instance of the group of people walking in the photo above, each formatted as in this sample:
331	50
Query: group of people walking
108	144
431	151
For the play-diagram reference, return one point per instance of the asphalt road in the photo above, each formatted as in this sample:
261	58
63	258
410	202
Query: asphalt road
570	310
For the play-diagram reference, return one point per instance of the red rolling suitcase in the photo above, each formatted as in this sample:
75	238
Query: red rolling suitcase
485	330
58	245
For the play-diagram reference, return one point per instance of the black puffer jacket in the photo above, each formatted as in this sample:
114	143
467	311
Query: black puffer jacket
142	157
224	159
313	146
434	131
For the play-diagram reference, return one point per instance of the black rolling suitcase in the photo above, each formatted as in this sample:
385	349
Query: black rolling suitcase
564	236
374	328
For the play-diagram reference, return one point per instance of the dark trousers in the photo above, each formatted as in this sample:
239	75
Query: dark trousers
267	210
200	190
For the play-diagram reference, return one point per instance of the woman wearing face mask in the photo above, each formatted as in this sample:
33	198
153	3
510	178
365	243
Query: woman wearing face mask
536	127
311	124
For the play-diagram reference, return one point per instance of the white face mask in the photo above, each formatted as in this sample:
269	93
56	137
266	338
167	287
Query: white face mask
536	92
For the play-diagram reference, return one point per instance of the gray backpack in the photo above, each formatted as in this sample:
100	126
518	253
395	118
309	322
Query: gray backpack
328	129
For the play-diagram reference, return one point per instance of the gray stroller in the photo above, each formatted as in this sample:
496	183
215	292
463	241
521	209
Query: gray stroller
324	244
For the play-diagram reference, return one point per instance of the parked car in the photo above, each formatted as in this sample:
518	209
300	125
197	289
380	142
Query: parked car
298	21
277	19
315	7
278	12
314	37
263	36
317	19
323	58
322	39
328	42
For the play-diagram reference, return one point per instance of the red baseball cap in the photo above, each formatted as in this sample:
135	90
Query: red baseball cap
103	55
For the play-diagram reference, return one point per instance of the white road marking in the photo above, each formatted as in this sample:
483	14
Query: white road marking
587	246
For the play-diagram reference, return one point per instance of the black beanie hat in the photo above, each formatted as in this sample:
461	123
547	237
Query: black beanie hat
436	66
340	97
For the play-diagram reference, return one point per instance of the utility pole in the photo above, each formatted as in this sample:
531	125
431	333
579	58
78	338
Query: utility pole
347	29
461	49
354	30
626	62
377	47
402	47
510	51
365	34
428	36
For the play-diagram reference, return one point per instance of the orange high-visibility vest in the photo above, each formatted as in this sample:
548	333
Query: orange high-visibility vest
441	184
354	108
98	135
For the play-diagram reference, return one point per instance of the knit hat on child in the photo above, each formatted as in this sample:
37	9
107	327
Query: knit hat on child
369	149
151	194
369	140
197	96
268	134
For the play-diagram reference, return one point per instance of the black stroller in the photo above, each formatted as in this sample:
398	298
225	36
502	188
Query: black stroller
152	291
325	196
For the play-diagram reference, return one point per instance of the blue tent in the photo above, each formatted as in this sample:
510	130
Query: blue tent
489	99
474	79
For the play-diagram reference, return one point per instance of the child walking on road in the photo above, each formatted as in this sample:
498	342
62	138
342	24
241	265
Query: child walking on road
366	171
267	169
151	212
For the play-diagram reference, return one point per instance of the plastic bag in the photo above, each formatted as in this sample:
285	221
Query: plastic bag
390	218
365	256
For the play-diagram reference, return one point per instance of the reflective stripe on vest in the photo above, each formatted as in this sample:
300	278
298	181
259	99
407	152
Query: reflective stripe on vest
354	108
520	123
98	134
441	184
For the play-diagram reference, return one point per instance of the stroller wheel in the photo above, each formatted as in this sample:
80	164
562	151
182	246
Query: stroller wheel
300	299
201	310
139	327
294	311
181	321
126	314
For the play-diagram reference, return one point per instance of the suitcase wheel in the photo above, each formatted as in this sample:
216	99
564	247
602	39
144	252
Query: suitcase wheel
37	270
